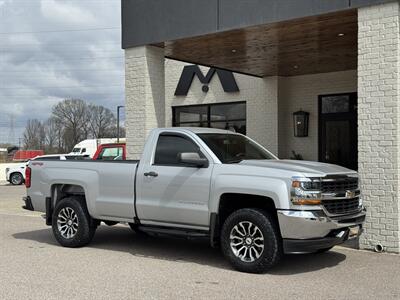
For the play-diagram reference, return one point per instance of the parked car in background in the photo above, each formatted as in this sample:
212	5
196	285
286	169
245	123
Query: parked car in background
89	147
16	174
207	183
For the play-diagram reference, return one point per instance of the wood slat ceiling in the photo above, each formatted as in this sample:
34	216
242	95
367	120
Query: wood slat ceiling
318	44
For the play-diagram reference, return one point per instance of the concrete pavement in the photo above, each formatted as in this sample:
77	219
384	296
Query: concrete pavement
120	265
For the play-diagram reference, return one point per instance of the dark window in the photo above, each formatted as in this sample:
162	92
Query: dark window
169	146
233	148
335	104
230	116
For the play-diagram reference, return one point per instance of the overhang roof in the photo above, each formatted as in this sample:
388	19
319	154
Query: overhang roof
318	44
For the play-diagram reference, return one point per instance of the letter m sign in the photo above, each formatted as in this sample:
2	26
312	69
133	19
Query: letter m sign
227	79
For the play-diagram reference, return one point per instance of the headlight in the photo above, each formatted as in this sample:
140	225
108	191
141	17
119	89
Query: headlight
306	191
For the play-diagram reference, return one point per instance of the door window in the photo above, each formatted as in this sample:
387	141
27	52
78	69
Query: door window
168	148
338	130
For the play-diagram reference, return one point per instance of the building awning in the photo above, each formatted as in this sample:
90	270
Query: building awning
317	44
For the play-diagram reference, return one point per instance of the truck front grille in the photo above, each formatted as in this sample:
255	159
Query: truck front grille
339	185
341	206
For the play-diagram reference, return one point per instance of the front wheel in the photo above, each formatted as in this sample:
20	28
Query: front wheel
250	240
71	223
16	179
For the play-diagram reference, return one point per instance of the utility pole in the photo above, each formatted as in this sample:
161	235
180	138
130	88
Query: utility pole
11	133
118	108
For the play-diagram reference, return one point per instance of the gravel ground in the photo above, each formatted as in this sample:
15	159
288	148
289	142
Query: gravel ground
120	265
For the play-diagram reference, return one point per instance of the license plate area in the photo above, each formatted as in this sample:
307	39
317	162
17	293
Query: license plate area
354	231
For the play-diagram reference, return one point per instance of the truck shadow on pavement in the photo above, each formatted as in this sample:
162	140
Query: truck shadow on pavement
122	239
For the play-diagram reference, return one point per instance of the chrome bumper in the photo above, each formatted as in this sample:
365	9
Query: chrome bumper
296	224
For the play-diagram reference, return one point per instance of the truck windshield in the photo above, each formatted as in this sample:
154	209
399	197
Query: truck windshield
233	148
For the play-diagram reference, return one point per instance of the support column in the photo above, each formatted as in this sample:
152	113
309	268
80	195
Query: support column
145	95
378	125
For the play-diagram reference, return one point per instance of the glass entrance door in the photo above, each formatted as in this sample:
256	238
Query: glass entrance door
338	130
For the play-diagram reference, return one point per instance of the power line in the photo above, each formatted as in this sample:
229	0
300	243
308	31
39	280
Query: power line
58	31
75	70
82	58
60	87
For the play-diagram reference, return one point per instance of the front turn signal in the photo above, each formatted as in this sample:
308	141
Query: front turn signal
306	201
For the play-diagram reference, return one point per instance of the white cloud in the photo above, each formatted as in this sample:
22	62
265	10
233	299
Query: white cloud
64	12
38	69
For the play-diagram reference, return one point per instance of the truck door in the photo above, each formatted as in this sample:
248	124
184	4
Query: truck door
169	192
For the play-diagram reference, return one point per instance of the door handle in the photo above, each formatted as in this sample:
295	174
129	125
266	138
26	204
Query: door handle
150	174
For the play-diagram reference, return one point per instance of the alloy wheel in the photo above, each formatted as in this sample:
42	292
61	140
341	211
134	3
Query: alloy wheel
67	222
247	241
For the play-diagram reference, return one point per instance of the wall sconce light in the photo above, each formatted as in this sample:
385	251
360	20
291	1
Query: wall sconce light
300	123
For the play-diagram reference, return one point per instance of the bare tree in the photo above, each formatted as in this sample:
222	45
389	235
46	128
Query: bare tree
73	116
101	120
52	129
34	135
71	122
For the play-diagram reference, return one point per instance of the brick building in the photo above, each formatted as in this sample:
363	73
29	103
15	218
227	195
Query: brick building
337	60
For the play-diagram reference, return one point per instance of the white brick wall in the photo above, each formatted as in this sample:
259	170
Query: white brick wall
378	120
301	92
145	94
260	95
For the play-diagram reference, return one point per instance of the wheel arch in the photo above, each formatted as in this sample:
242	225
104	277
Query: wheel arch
231	202
61	191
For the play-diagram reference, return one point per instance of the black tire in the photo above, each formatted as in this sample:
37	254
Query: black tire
16	178
136	229
271	253
85	227
324	250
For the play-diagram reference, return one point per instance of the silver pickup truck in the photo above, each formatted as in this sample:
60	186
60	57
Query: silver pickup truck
208	183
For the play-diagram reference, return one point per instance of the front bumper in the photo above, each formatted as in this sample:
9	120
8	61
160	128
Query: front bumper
309	231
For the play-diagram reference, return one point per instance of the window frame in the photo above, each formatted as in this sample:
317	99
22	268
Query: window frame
209	121
184	136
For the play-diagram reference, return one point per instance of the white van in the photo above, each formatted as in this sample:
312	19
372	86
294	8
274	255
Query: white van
89	147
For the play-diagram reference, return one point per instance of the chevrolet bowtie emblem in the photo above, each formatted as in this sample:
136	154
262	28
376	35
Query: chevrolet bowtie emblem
350	194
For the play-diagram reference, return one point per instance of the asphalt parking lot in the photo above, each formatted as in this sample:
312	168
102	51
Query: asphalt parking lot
120	265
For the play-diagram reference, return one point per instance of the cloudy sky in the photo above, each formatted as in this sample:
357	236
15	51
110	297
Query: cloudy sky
51	50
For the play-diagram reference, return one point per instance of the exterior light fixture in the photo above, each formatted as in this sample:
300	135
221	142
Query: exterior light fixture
233	50
295	67
300	123
340	34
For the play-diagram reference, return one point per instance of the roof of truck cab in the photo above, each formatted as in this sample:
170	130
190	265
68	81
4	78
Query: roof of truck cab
198	130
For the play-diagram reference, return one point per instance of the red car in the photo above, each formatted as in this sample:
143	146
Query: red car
111	152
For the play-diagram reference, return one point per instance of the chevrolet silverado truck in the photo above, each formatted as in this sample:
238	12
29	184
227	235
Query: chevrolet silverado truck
205	183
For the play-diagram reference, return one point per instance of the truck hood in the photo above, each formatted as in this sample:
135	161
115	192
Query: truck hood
307	168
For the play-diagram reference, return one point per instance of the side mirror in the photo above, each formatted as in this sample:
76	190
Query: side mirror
193	159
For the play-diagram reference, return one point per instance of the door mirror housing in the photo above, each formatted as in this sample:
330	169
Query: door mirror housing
193	159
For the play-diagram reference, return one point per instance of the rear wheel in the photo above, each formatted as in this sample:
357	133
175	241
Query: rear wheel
72	224
251	241
16	179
